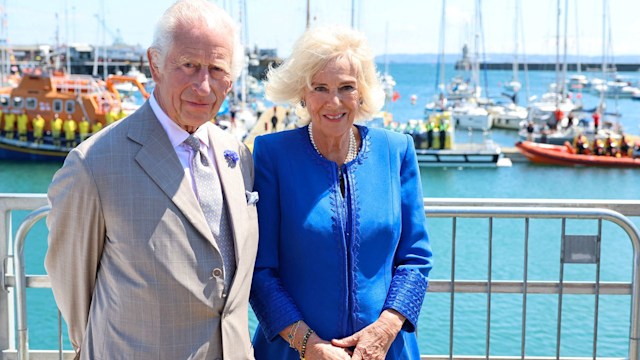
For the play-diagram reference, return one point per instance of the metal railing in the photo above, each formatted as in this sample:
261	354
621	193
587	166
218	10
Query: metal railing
614	212
574	249
13	320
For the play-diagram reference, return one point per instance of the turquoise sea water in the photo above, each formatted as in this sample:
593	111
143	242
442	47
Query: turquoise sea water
523	180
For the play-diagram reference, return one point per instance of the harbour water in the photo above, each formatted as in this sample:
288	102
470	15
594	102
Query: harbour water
523	180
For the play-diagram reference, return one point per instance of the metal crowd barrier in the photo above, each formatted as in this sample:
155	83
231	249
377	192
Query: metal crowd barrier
575	249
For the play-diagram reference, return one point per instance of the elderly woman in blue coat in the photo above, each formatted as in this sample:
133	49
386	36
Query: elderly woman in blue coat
344	256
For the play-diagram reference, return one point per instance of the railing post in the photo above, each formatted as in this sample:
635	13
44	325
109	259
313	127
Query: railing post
21	279
8	204
634	345
6	305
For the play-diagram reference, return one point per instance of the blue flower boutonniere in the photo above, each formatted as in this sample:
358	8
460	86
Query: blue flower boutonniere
231	157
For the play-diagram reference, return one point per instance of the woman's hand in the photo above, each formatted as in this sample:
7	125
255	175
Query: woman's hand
318	348
374	341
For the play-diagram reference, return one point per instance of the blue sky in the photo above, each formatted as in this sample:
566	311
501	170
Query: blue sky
413	24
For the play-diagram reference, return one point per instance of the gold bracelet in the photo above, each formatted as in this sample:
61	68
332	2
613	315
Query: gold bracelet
303	348
292	333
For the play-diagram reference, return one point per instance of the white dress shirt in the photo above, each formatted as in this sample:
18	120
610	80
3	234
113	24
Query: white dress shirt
178	135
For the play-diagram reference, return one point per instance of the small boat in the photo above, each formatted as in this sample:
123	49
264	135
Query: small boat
617	88
551	109
578	82
469	115
434	150
487	154
508	116
565	155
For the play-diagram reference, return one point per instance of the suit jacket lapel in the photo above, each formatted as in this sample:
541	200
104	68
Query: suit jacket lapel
159	160
232	185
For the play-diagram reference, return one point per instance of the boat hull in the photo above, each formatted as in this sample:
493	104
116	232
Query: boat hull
472	121
461	157
507	122
560	155
25	151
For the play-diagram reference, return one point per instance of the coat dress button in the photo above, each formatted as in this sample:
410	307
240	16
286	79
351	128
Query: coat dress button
216	272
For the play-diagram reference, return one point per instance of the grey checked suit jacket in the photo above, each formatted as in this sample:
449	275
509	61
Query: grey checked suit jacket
132	262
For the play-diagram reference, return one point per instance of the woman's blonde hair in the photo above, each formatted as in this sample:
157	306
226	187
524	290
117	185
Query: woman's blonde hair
311	53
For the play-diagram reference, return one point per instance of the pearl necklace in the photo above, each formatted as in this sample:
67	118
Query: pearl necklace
353	150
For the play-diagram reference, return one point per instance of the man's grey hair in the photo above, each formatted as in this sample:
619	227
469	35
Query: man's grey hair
193	13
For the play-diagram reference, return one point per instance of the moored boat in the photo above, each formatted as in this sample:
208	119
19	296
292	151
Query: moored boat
436	147
565	155
49	113
487	154
508	116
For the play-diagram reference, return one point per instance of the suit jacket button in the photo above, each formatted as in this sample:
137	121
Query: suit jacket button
216	272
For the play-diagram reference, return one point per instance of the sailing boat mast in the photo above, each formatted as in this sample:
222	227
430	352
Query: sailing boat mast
518	35
388	82
245	38
604	44
386	48
478	43
440	87
515	51
308	13
579	61
564	61
4	58
353	11
557	52
66	27
105	68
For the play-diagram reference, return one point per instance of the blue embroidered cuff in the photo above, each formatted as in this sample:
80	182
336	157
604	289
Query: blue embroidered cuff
406	294
273	307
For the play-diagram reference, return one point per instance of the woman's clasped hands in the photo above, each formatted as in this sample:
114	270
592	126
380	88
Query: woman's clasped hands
319	349
373	341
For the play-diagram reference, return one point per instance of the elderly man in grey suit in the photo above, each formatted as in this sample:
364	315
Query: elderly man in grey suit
153	229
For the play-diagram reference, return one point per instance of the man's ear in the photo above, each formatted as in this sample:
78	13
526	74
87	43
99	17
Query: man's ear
153	65
229	87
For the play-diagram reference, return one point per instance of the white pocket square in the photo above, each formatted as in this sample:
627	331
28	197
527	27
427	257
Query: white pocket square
252	197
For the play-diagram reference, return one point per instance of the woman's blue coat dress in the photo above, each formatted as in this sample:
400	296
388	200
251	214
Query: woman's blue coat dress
337	261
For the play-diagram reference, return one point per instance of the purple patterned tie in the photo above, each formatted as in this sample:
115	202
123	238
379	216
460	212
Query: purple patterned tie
209	193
